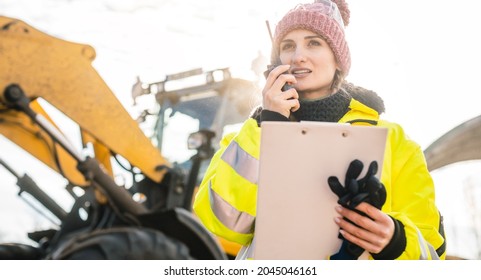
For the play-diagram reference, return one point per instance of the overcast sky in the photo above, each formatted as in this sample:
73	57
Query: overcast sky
421	57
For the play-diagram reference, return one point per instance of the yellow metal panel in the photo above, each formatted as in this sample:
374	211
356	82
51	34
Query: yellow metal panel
102	153
229	247
61	72
19	129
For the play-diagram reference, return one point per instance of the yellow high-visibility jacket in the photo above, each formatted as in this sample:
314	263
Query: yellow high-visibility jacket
226	200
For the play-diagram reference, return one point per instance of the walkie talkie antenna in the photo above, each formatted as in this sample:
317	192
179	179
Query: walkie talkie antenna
277	60
270	32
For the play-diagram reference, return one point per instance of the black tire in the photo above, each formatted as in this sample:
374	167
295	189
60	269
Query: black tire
124	243
17	251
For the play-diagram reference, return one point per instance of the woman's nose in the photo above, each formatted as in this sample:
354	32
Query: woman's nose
298	56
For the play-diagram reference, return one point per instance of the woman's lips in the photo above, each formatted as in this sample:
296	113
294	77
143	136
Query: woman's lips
297	72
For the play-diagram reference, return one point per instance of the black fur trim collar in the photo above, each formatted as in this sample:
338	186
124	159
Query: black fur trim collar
365	96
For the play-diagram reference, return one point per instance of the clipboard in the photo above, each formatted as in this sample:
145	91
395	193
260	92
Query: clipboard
295	206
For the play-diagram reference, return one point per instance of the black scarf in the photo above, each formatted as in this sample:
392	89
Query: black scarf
328	109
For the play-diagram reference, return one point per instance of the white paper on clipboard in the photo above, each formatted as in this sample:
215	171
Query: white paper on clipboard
295	206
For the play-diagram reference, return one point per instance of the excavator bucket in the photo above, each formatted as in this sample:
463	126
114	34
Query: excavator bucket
459	144
61	72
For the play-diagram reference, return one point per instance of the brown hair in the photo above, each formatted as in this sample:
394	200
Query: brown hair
337	81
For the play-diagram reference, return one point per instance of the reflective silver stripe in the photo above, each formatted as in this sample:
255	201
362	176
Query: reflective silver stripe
424	254
247	252
244	164
232	218
434	254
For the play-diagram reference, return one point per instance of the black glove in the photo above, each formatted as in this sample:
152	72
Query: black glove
368	189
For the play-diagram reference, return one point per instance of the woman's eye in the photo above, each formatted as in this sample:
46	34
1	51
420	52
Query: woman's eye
314	43
287	46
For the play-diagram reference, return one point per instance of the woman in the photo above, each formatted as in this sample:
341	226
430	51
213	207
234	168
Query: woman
309	42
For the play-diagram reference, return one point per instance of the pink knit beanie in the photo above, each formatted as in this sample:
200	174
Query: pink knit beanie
324	17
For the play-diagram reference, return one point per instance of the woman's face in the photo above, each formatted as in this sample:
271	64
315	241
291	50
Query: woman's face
312	63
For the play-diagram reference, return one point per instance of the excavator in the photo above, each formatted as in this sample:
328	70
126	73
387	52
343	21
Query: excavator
147	218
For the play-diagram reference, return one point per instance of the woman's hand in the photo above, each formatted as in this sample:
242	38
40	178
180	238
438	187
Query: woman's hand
276	100
372	234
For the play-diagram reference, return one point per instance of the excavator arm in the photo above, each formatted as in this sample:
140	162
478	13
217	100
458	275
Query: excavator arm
60	72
